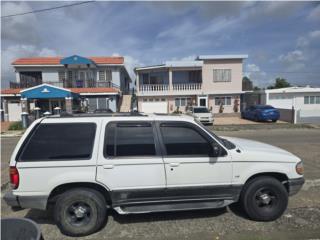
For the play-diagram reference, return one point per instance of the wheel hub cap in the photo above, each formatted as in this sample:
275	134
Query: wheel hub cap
265	198
80	212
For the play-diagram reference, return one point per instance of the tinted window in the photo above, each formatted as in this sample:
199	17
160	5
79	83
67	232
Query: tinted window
200	110
54	142
129	139
184	140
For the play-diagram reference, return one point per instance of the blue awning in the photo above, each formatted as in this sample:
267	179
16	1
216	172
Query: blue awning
47	91
75	59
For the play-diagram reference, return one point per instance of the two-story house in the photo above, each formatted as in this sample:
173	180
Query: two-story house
213	81
72	83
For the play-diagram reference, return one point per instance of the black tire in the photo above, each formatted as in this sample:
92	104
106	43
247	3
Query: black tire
79	212
264	199
274	121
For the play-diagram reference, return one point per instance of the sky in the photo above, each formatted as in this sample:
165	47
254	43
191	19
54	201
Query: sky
282	39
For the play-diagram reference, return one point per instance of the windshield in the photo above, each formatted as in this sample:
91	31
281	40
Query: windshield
229	145
200	110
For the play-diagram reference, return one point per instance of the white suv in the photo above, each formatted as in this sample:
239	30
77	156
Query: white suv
86	165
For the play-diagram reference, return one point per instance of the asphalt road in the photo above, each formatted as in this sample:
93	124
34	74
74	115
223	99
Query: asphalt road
301	220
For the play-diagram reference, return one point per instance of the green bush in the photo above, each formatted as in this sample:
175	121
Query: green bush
15	126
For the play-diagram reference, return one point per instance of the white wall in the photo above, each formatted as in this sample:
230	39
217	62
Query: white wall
50	76
14	112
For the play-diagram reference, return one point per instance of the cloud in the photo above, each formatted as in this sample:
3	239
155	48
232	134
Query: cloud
19	29
17	51
314	15
256	75
293	56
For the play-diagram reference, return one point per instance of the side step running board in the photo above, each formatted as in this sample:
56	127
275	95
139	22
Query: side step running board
168	207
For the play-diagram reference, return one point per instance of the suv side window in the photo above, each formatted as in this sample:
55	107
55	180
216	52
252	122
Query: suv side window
182	139
60	141
129	139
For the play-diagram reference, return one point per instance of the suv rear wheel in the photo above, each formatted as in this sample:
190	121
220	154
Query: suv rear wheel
264	199
80	212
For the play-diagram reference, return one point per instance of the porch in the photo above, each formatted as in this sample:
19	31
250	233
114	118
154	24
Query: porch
170	81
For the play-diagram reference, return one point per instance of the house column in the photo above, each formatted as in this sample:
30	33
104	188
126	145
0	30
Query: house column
137	83
24	105
68	105
5	109
170	80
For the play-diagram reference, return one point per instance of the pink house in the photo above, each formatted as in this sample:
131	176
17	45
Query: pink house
213	81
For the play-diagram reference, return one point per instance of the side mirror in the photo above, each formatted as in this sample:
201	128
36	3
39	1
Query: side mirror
218	151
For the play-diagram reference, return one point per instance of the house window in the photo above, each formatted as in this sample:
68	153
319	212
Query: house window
108	75
70	75
223	100
62	76
182	102
311	99
102	75
221	75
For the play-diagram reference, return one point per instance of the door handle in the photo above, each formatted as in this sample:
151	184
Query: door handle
107	166
174	164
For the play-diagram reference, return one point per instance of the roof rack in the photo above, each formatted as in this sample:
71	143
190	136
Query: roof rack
117	114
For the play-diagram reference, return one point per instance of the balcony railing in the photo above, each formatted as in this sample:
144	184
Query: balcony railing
186	86
181	87
70	84
153	87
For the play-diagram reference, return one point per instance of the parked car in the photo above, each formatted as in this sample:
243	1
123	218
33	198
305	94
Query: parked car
84	166
201	114
261	113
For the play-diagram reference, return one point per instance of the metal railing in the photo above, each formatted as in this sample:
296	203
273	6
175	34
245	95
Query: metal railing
91	83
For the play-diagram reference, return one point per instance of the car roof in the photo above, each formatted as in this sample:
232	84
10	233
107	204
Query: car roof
118	117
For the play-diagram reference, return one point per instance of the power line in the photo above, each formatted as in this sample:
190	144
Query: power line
47	9
262	71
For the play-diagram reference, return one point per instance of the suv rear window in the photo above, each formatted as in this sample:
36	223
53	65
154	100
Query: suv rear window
129	139
60	141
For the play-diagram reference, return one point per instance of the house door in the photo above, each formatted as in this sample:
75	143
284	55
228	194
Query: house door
203	101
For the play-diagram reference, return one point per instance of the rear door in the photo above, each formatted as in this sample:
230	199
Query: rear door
191	169
130	163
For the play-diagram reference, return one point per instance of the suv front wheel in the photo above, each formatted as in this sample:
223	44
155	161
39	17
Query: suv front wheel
264	199
80	211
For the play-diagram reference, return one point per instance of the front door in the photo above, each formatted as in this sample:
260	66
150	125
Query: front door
130	163
191	169
202	101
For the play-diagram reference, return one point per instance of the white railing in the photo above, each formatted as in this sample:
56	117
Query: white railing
153	87
186	86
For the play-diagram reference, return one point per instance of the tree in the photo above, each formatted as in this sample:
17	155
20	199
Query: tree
246	84
280	83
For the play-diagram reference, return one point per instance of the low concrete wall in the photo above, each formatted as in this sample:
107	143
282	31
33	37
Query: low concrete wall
307	116
286	115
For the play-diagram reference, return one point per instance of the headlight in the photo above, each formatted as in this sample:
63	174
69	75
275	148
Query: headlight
299	168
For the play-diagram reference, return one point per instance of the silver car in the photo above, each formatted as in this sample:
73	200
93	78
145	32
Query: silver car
201	114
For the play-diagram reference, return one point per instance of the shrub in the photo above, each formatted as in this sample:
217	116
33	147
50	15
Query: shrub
15	126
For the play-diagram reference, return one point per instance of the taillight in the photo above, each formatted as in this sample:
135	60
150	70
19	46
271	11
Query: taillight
14	177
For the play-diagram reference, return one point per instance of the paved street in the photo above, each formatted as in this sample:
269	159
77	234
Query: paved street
301	220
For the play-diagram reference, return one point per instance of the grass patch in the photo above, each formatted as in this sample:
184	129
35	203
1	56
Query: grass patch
15	126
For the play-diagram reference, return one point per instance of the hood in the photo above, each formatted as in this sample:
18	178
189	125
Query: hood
263	151
202	114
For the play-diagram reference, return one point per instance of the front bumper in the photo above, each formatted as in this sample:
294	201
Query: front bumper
295	185
35	202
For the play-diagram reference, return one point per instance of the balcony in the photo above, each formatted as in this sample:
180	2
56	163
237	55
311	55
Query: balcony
90	83
160	89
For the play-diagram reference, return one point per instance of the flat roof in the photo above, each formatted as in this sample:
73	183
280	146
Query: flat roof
215	57
305	89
